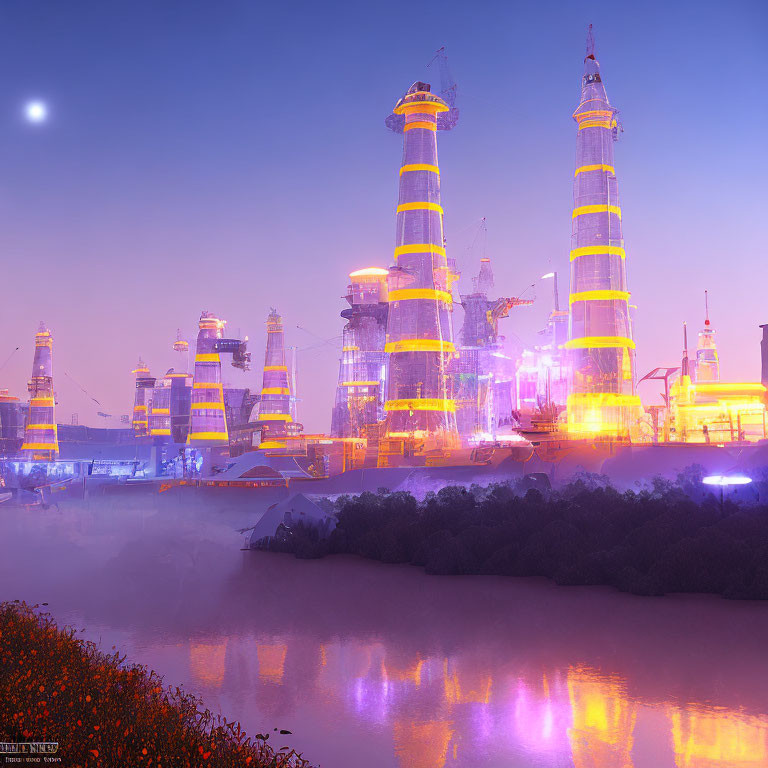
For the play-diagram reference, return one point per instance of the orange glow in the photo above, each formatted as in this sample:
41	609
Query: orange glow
208	661
271	658
422	745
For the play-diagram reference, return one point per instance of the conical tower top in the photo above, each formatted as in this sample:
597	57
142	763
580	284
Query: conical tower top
590	54
706	309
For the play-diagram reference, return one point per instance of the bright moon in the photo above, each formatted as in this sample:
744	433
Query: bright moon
36	111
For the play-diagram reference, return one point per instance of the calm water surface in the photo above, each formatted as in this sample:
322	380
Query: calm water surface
384	667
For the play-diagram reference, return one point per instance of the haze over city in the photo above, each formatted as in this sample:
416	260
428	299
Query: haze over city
196	157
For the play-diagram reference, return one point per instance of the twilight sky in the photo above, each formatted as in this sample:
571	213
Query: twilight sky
232	156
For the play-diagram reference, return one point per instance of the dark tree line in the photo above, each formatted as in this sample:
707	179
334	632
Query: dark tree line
669	537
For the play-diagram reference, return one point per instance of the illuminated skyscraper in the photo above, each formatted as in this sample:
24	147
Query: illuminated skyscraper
274	406
142	399
207	423
362	369
602	396
40	436
419	401
707	361
160	407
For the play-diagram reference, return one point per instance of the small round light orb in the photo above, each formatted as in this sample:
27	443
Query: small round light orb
36	111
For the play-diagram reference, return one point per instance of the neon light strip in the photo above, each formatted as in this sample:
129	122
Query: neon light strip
207	436
275	391
41	401
584	209
420	124
421	404
419	207
207	385
274	417
420	345
208	357
599	296
419	248
159	431
601	167
598	250
608	399
211	406
360	383
40	447
595	124
419	167
406	294
161	411
139	407
599	342
275	367
42	426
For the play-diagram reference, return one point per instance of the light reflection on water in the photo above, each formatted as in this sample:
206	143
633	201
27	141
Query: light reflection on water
380	665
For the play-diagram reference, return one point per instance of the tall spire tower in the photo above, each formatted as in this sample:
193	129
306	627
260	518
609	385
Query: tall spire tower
602	396
707	360
41	440
419	401
207	420
274	406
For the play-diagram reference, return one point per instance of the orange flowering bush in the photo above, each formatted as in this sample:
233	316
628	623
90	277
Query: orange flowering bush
55	686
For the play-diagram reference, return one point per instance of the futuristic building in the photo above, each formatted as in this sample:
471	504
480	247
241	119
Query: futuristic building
273	411
142	399
707	366
207	421
484	376
41	440
419	403
602	398
12	418
160	408
360	391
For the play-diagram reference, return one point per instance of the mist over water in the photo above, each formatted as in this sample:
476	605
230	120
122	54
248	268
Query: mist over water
383	666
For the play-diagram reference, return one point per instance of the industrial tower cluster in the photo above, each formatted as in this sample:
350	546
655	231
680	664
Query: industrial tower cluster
405	386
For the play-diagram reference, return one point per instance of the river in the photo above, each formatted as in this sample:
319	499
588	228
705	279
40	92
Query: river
385	667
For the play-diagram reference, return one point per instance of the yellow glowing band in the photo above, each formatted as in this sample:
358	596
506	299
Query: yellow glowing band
207	385
606	399
599	296
161	411
594	113
599	342
275	417
360	383
42	426
720	386
275	368
598	250
139	407
595	124
584	209
419	167
207	436
160	432
419	248
275	391
601	167
419	105
421	404
212	406
350	349
420	345
41	401
419	207
420	124
271	444
208	357
405	294
40	447
139	423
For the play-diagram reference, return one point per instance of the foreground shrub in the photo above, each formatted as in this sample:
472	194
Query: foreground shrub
55	686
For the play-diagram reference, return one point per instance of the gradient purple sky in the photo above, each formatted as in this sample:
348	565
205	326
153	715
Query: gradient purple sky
232	156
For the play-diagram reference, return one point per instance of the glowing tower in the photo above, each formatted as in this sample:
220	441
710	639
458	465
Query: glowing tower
142	399
207	422
362	368
419	400
274	406
602	396
41	440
